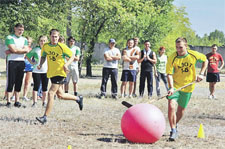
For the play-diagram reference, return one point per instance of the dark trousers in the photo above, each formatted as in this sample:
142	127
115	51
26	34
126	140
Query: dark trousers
15	73
157	79
143	76
106	72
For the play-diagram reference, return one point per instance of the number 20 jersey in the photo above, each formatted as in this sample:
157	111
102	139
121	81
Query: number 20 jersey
56	58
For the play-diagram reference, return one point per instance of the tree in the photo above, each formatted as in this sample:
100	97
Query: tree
100	20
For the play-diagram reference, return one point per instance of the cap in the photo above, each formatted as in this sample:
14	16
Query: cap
112	40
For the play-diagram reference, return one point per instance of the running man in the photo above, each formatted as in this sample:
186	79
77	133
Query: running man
57	69
213	73
181	70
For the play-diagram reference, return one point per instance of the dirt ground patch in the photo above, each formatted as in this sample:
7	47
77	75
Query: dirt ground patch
98	125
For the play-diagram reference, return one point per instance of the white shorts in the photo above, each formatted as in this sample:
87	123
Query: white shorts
73	73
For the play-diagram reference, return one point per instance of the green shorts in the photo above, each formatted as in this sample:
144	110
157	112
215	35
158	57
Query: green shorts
182	98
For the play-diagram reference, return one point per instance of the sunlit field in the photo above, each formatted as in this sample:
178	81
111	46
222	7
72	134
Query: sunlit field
98	125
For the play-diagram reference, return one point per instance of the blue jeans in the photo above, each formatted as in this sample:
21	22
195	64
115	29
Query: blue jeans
157	79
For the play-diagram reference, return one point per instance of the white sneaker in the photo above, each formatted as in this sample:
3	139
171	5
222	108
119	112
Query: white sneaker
25	98
210	97
214	97
12	98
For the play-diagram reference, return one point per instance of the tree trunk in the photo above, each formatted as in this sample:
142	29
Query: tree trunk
81	58
69	24
88	61
88	66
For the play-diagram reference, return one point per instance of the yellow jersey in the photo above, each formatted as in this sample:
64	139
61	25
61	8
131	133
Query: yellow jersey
183	68
56	58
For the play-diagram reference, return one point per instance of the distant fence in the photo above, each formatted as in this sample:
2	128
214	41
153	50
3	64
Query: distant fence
99	50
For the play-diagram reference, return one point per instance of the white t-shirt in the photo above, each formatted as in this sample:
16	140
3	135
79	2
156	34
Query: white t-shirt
130	65
44	68
76	52
136	63
111	52
19	42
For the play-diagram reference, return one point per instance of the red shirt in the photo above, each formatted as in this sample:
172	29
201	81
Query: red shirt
214	62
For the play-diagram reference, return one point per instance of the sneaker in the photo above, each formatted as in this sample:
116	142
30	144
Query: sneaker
42	119
17	104
114	97
134	95
25	98
34	105
173	135
150	97
12	98
210	97
102	97
8	104
214	97
80	102
44	104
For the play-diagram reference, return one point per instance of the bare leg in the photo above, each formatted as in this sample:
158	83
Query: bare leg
180	113
66	87
212	87
51	93
65	96
172	113
27	82
34	96
17	96
44	95
131	88
122	88
75	87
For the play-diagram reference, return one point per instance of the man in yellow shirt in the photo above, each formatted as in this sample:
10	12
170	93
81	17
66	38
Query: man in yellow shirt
57	69
180	71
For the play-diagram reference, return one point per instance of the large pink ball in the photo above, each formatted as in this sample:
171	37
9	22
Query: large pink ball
143	123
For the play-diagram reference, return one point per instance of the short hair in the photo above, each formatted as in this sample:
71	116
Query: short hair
71	38
61	39
41	37
19	25
214	45
29	38
136	38
162	48
130	40
147	41
181	39
53	30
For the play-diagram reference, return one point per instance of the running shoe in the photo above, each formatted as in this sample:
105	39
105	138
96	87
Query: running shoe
42	119
80	102
17	104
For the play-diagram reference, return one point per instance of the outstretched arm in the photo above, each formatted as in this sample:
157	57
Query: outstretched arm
202	71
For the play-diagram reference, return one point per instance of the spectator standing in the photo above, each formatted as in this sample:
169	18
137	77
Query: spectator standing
147	60
111	57
213	73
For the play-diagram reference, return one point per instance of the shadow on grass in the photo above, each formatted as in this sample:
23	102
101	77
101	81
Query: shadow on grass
18	120
112	137
207	116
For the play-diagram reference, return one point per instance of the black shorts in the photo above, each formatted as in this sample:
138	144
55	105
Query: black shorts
213	77
58	80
